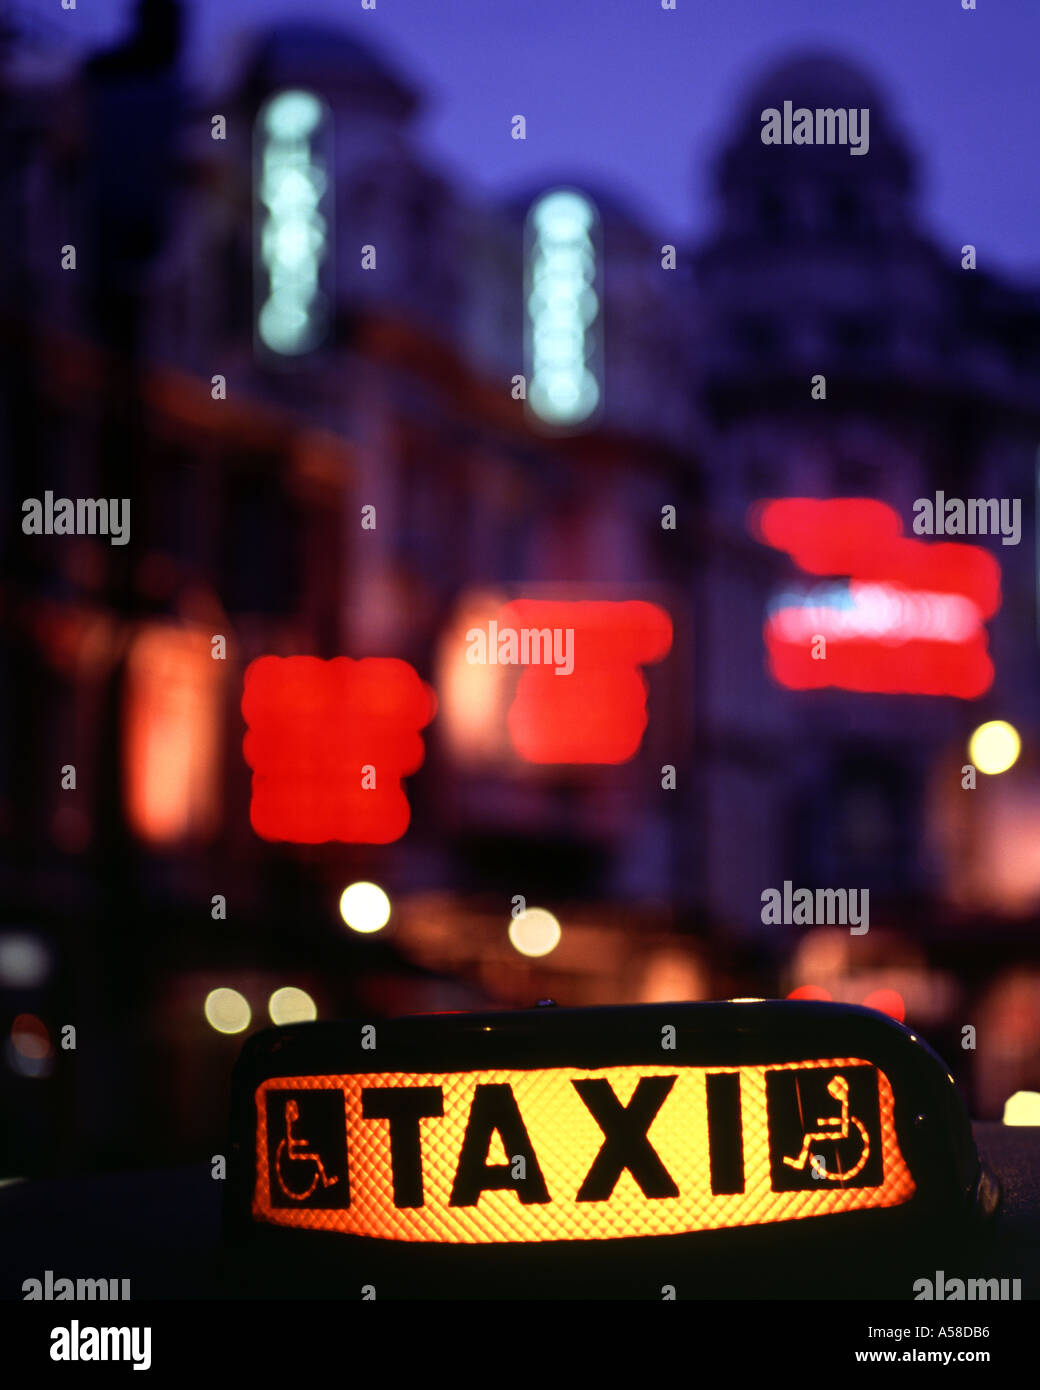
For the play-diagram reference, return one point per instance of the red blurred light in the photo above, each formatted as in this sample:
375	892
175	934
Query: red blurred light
597	712
887	1001
862	539
810	992
30	1037
173	713
915	668
313	727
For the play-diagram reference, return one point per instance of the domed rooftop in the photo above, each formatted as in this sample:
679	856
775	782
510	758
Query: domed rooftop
816	79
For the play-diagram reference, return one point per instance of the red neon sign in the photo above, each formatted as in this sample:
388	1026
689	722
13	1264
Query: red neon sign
329	743
596	712
911	620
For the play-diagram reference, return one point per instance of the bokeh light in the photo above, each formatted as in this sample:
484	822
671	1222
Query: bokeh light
364	907
535	932
24	961
887	1001
672	975
227	1011
292	115
1022	1108
994	747
291	1005
30	1037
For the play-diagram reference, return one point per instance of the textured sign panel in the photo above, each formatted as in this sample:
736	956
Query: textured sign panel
568	1154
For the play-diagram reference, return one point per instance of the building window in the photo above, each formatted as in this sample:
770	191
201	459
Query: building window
855	335
757	335
759	476
772	211
846	211
262	557
854	477
172	735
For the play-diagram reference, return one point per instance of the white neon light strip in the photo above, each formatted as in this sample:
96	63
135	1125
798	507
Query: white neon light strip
294	238
562	306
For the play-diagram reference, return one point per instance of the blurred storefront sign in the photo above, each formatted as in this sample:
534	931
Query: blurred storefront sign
172	762
561	677
329	743
909	619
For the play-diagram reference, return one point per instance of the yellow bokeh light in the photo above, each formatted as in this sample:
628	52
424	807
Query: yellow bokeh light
364	907
227	1011
994	747
1023	1108
535	932
291	1005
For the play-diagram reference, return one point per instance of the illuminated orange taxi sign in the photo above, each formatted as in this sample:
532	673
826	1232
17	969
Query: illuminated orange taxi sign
569	1153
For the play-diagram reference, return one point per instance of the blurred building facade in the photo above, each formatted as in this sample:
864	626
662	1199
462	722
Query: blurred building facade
248	476
820	265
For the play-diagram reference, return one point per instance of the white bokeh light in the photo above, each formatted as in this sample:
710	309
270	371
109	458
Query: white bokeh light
291	1005
535	932
994	747
227	1011
364	907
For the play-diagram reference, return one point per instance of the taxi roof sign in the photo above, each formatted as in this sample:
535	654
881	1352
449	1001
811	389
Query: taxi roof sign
517	1155
593	1130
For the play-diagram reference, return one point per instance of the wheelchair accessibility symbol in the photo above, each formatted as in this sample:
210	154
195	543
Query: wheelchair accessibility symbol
824	1128
296	1149
839	1089
306	1145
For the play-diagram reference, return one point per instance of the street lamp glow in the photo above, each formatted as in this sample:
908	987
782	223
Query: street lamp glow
364	907
227	1011
994	747
535	932
291	1005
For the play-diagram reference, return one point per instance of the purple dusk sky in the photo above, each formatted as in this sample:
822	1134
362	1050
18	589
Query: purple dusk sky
638	97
